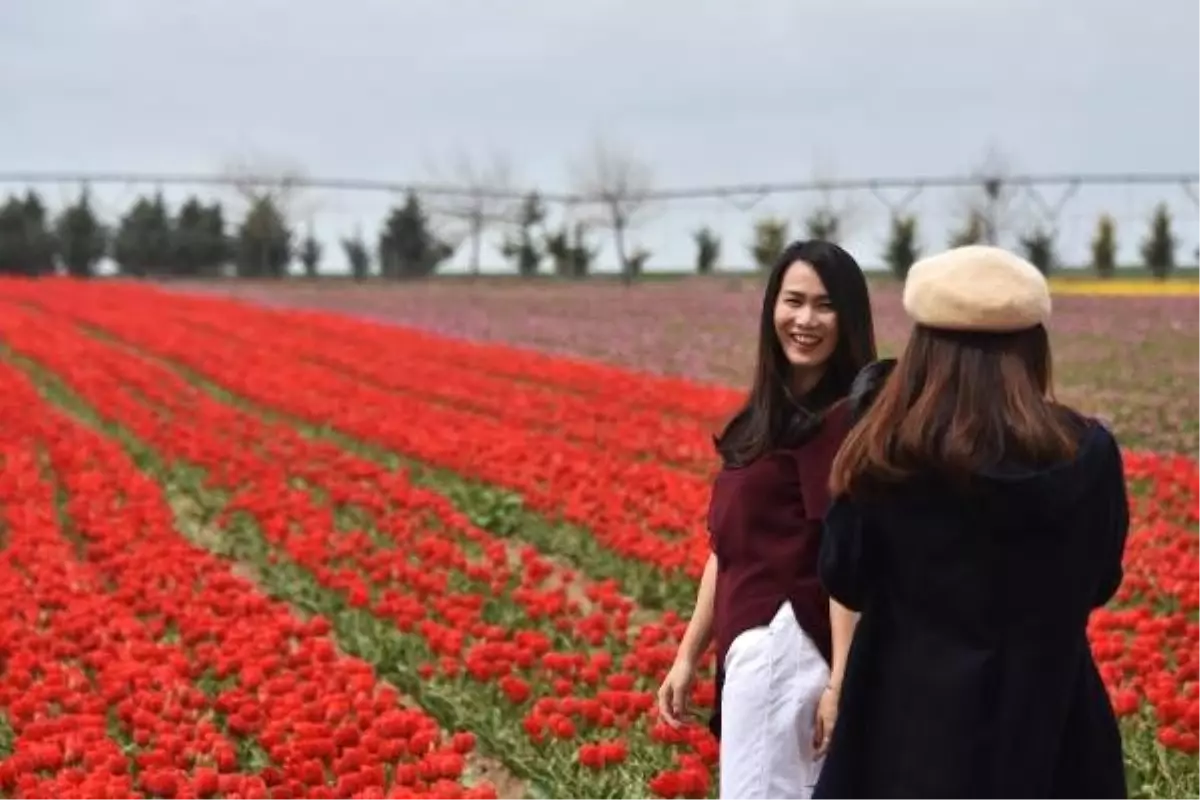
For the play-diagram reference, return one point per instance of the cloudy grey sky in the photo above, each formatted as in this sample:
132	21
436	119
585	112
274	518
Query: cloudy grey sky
706	91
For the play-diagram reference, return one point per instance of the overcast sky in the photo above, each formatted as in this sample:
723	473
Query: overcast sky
706	91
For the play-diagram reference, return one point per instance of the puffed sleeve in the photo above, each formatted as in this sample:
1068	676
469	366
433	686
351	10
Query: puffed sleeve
843	564
1114	494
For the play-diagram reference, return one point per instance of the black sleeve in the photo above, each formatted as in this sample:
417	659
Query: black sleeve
1115	496
842	564
866	385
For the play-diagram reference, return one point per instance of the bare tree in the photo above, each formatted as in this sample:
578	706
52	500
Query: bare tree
830	217
255	177
488	198
621	184
986	205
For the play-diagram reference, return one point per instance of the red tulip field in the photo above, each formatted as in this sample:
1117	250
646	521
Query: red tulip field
442	541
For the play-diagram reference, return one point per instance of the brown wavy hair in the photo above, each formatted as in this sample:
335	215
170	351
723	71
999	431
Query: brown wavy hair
958	403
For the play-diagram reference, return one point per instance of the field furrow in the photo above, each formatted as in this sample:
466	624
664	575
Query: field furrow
469	635
154	668
638	509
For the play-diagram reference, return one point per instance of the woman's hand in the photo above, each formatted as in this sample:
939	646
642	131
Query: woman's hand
675	691
826	718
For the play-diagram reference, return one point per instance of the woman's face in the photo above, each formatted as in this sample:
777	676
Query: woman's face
806	323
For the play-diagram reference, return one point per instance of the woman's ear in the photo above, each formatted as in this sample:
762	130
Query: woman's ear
866	386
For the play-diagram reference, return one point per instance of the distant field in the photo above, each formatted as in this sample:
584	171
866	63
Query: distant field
1132	359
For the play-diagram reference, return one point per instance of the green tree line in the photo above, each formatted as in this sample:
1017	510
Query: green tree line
903	247
196	240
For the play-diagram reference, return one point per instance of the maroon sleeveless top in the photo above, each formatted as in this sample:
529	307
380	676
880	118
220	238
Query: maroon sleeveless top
764	525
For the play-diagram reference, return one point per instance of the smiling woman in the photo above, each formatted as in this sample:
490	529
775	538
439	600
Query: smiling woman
780	647
815	333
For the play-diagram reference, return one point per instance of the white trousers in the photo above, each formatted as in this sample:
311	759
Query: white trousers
774	677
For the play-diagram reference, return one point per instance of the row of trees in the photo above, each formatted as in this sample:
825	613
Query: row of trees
196	241
903	247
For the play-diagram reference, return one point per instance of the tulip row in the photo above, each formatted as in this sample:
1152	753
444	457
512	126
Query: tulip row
1149	653
607	420
390	565
604	384
1146	642
644	511
136	664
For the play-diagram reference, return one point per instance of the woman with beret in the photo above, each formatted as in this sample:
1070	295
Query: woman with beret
975	525
779	644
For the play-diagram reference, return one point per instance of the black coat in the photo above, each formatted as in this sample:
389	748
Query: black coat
970	673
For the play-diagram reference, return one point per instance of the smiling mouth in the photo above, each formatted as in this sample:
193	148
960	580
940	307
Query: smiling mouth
805	340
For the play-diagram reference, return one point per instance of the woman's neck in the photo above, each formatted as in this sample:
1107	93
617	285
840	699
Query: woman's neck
805	380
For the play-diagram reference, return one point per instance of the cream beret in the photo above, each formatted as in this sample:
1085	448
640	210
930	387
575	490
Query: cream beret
976	288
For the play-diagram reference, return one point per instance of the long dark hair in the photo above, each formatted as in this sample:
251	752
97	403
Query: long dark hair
772	417
958	403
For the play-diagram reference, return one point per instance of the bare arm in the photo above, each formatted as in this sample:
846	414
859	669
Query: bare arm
842	622
699	630
676	687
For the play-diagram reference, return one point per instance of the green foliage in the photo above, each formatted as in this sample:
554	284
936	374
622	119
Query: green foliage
408	248
264	241
770	237
200	245
310	255
973	231
82	239
1104	247
635	265
1158	248
523	250
708	250
143	244
824	224
902	250
359	257
1038	248
26	242
570	253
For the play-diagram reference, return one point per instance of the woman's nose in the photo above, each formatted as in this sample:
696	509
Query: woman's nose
804	315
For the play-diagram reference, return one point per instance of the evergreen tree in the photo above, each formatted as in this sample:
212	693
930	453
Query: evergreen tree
708	250
310	255
407	246
523	249
200	245
1104	247
358	257
143	243
1038	247
1158	248
27	244
770	237
902	249
264	241
637	262
570	251
82	239
823	224
973	231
